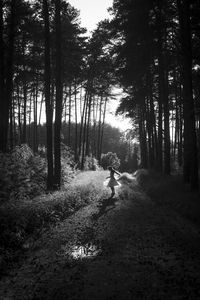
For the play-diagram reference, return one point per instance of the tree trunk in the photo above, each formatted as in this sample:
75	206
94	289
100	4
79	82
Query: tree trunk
35	129
9	73
88	126
102	129
47	94
161	87
190	143
59	95
142	138
84	132
99	129
2	86
76	125
82	123
167	168
24	137
70	115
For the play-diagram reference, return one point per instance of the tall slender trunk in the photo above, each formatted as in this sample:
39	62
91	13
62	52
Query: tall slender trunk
150	133
47	94
142	138
35	129
11	135
190	142
9	73
161	87
94	127
88	127
19	114
102	130
29	121
2	85
180	142
40	114
70	115
167	168
76	124
153	125
84	132
24	137
59	95
99	129
82	121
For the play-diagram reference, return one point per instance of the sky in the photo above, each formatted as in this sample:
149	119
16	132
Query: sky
92	12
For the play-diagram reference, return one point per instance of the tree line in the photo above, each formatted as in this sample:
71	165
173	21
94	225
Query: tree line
148	48
48	62
157	61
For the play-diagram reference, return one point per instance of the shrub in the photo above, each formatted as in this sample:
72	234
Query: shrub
91	164
110	159
67	163
22	175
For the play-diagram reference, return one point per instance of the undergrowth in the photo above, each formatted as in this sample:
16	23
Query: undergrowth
21	223
170	191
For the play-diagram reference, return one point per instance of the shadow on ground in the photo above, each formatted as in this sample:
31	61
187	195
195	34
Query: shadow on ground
105	206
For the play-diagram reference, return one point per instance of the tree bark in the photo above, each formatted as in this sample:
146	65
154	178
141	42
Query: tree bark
76	125
2	86
9	74
47	94
167	168
190	141
59	95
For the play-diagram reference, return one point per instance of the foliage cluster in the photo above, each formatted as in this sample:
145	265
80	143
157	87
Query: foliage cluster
67	164
91	164
110	159
22	175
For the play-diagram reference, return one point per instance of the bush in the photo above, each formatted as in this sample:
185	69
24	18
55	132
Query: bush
91	164
22	175
67	164
110	159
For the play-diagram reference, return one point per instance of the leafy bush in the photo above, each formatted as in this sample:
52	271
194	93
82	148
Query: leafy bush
110	159
22	175
91	164
67	164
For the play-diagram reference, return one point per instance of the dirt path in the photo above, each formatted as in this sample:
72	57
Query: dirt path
125	248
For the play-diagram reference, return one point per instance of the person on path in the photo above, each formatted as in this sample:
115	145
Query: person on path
112	182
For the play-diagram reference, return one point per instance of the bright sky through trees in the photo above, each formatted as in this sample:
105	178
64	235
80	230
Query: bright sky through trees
92	12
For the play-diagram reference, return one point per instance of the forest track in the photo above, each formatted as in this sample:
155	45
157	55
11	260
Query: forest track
124	248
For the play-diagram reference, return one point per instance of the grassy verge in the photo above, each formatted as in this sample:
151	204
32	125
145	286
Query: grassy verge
23	221
170	191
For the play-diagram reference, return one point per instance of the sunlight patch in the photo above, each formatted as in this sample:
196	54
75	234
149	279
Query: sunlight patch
88	250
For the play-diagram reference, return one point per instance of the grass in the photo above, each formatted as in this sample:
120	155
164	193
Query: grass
23	221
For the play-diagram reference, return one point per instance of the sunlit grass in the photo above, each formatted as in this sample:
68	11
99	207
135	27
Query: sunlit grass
23	219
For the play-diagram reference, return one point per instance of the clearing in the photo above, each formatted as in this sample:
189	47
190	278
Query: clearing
124	248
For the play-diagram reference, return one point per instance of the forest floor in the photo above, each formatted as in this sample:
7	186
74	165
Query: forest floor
128	247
